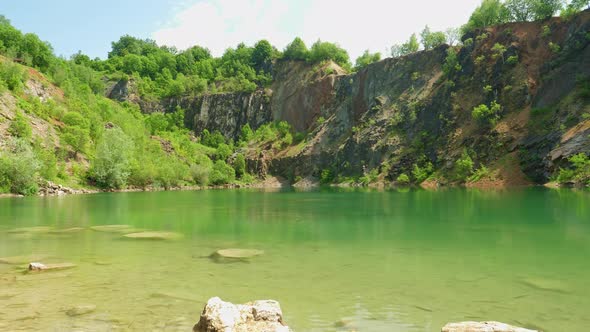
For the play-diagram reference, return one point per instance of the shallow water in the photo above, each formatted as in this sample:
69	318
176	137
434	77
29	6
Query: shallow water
373	261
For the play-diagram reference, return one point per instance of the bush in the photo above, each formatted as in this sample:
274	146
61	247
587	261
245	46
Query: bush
18	168
239	165
20	127
580	171
223	151
463	166
512	60
111	166
420	174
479	174
554	47
200	174
12	76
222	173
326	176
403	179
451	64
487	115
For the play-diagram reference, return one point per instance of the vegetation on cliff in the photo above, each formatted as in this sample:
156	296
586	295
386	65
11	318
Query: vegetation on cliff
56	123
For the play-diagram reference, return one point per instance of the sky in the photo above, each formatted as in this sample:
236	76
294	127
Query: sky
91	26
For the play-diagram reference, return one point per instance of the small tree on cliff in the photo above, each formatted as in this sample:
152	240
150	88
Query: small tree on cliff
296	50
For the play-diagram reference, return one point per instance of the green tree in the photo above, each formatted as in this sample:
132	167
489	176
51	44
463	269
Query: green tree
489	12
296	50
451	64
222	173
239	165
262	55
521	10
367	58
18	168
111	165
543	9
431	40
411	46
323	51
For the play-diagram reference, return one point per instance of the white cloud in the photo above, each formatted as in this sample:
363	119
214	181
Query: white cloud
356	26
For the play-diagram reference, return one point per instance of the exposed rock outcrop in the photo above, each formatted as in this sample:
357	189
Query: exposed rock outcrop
406	111
483	327
260	316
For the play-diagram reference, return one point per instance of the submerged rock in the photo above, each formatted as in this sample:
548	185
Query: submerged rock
154	236
67	230
235	254
50	267
112	228
262	316
483	327
549	285
35	229
17	260
81	310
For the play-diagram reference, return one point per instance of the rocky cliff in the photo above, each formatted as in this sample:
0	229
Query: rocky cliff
401	113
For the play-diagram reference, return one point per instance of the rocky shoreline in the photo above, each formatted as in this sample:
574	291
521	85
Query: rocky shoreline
267	316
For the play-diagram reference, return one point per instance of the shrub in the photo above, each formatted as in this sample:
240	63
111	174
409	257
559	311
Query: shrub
512	60
479	60
326	176
111	166
239	165
20	127
12	76
554	47
499	51
487	115
545	31
223	151
222	173
463	166
479	174
420	174
451	64
212	140
18	168
580	172
403	179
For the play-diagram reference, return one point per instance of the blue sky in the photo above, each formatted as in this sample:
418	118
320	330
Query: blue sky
91	26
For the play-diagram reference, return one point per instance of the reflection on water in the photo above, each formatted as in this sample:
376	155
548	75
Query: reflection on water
336	261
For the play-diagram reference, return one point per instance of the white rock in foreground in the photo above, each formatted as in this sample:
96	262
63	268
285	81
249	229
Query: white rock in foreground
483	327
259	316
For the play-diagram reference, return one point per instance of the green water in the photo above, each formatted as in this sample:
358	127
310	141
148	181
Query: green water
381	261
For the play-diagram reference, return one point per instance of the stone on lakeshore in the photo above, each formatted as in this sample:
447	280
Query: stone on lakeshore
235	254
154	236
50	267
260	316
483	327
81	310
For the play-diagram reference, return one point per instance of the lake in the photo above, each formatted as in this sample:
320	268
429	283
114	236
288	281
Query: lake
336	260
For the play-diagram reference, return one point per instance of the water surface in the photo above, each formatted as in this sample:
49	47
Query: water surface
372	261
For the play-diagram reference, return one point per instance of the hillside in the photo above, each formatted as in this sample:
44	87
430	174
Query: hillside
413	116
510	106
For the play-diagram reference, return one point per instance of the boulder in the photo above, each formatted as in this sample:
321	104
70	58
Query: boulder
483	327
259	316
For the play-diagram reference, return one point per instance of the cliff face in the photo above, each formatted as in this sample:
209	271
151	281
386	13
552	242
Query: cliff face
404	111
